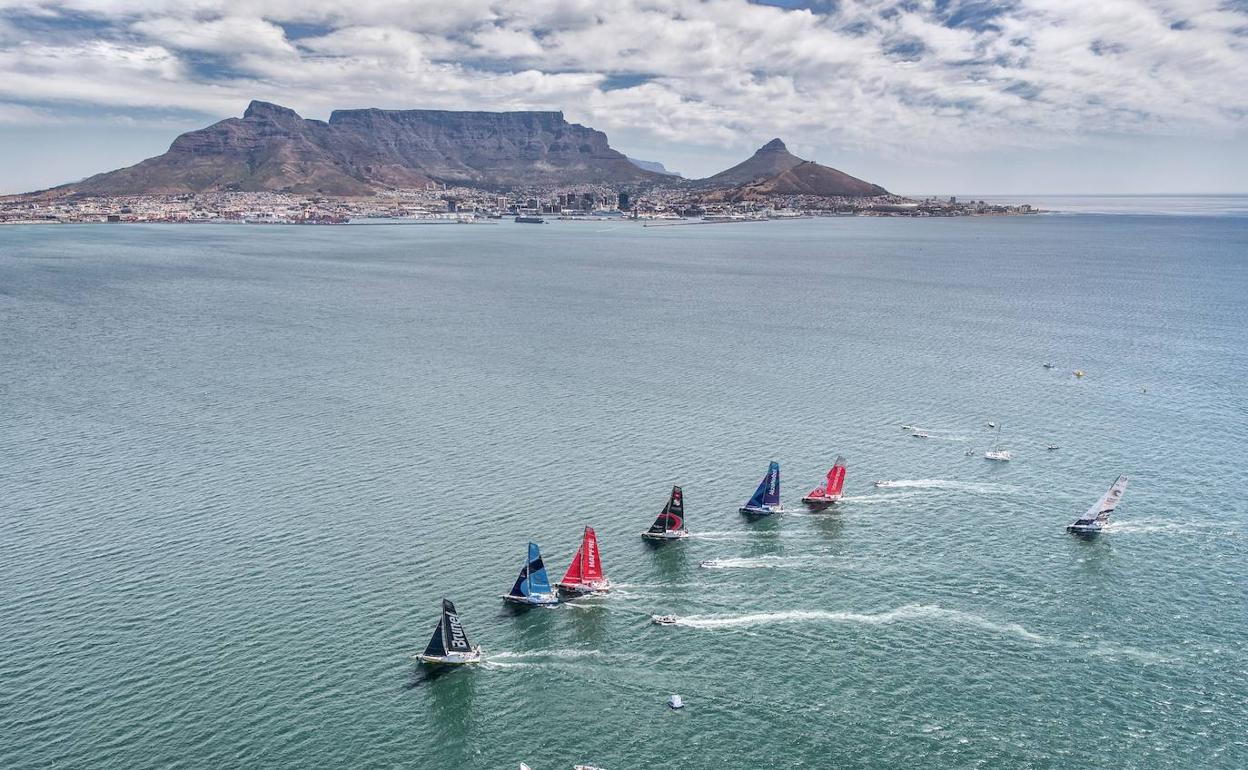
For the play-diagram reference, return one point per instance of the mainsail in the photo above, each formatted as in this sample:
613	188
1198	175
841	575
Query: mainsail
586	566
1099	513
532	578
673	516
768	492
449	636
836	477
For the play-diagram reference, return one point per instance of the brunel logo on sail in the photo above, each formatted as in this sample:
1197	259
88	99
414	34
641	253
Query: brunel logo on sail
457	631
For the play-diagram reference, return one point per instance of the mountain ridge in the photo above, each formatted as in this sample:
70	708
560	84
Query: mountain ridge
359	151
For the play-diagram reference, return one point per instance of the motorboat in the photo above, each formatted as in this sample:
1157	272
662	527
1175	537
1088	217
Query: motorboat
675	702
663	620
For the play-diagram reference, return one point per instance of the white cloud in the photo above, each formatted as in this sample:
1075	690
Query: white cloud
869	73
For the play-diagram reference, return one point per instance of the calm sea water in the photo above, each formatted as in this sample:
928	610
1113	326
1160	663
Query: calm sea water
241	466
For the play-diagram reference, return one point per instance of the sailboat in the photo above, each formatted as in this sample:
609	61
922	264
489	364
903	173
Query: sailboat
830	492
670	525
585	576
449	645
766	499
532	587
997	453
1094	520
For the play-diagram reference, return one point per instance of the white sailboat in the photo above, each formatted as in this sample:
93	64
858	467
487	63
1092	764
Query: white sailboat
1094	520
997	453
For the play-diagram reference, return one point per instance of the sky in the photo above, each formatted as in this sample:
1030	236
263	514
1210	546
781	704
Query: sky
921	96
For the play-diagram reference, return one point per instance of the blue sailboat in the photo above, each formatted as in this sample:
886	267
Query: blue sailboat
766	499
532	587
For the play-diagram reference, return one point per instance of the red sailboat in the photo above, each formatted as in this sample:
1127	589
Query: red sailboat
585	575
830	492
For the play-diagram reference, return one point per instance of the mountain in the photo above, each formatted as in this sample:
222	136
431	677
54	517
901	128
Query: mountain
773	170
272	148
653	165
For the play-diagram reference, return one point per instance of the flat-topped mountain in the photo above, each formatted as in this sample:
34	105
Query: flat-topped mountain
773	170
357	152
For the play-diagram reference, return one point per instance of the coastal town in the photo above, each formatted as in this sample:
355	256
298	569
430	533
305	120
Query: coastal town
439	204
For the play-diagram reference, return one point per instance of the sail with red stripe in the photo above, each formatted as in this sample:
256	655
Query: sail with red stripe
592	564
586	566
573	575
831	491
836	477
585	575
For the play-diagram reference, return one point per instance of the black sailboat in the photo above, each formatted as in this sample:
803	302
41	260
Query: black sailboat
449	644
670	524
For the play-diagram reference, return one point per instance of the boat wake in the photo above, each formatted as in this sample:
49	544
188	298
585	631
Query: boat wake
535	657
718	537
904	614
761	562
978	488
911	613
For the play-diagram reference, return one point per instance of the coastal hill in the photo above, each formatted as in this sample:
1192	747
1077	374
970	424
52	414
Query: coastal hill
358	152
773	170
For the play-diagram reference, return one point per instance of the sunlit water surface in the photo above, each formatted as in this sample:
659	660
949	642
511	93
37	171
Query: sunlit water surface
241	466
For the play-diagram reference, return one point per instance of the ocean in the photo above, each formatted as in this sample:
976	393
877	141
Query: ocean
243	464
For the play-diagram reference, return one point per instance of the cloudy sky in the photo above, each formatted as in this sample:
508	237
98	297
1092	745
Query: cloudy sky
952	96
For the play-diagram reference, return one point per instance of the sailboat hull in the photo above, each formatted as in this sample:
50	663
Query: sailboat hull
1074	529
452	658
761	510
671	534
584	589
532	600
821	502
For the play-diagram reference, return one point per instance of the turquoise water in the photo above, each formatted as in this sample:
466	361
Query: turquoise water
243	464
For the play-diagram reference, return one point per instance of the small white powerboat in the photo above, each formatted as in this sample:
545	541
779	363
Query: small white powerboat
675	702
1051	447
663	620
920	434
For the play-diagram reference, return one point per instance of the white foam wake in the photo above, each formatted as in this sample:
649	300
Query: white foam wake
529	658
906	613
959	486
761	562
